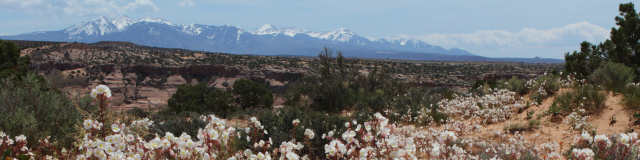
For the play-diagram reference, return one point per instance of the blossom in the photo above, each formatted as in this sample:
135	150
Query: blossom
309	133
624	138
115	128
100	89
296	122
87	124
584	153
435	151
21	138
94	93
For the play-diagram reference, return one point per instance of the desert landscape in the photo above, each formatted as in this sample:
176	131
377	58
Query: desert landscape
151	89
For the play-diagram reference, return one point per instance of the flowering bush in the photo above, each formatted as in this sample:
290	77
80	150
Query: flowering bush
543	87
616	146
588	97
631	98
490	108
374	138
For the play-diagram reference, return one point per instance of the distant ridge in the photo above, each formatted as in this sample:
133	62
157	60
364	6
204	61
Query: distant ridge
265	40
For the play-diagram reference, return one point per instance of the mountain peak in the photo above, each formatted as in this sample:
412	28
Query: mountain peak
122	22
265	29
155	20
101	19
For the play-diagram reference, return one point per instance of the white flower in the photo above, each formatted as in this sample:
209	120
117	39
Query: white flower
296	122
107	93
435	151
624	138
21	138
86	124
94	93
102	88
253	119
364	153
115	128
184	153
261	156
309	133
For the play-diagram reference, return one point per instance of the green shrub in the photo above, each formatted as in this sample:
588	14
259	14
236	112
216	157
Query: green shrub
543	87
280	127
588	97
36	109
252	94
138	113
516	127
188	122
514	84
631	98
200	99
11	64
613	76
533	123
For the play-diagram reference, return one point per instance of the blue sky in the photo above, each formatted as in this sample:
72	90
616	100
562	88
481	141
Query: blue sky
494	28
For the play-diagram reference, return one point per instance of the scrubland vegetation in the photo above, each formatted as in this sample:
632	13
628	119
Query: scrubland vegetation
334	112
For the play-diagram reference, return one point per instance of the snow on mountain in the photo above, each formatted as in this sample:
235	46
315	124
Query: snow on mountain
192	29
103	25
122	22
155	20
266	29
402	41
163	33
340	35
99	26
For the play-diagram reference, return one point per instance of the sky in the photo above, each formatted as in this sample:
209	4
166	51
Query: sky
493	28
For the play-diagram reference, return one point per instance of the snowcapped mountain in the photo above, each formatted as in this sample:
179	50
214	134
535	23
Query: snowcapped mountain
265	40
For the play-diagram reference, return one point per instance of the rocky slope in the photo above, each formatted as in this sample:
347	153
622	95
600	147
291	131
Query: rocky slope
146	77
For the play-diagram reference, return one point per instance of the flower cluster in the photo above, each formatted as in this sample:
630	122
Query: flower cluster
578	120
490	108
582	154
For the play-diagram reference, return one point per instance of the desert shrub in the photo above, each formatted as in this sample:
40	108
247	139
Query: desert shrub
514	84
280	127
613	76
516	127
480	87
543	87
186	121
138	112
606	147
35	108
252	94
11	64
200	98
587	97
533	123
631	94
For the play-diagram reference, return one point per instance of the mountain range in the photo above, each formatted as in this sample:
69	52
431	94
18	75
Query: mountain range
265	40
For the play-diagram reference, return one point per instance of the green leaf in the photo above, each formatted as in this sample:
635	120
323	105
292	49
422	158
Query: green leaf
7	153
23	157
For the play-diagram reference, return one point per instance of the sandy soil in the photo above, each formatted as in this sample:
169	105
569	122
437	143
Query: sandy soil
561	132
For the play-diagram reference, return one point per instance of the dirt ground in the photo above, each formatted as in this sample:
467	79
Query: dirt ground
561	132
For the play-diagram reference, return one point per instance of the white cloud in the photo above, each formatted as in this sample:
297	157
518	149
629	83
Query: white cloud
186	3
551	43
78	8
